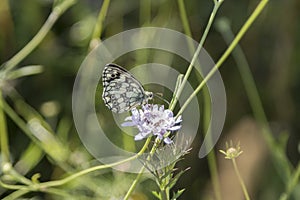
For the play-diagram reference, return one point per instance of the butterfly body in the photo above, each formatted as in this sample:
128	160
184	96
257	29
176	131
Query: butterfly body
121	91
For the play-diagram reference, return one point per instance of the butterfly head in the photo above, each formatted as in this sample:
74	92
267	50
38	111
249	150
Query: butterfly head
148	96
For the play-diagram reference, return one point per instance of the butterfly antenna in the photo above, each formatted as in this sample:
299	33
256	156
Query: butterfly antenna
159	95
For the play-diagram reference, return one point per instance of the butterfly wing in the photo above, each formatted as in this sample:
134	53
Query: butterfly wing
121	91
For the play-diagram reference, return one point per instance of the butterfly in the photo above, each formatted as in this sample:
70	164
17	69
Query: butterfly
121	91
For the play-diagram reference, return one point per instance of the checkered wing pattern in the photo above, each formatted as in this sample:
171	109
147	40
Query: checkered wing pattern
121	91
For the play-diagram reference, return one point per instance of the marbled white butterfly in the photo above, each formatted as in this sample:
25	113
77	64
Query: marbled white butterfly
121	91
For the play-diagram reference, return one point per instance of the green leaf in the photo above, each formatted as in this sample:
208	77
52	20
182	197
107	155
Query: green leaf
177	194
156	194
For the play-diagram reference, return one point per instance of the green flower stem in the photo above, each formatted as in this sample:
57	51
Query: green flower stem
16	194
240	179
278	154
134	183
164	195
46	185
25	71
238	37
211	156
248	81
18	177
145	12
196	54
99	25
294	180
140	173
3	134
13	187
184	19
20	123
24	190
36	40
86	171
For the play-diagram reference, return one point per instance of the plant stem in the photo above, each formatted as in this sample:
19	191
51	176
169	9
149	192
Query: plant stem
294	180
36	40
164	194
184	19
140	173
211	157
145	12
45	185
16	194
134	183
240	179
279	158
20	123
238	37
196	54
99	25
86	171
3	134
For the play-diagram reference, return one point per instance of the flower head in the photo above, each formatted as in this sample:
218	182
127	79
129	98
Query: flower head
232	151
153	119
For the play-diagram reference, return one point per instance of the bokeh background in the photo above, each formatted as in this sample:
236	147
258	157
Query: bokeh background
271	47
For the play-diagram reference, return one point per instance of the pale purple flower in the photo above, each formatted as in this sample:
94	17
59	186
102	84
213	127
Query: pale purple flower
155	120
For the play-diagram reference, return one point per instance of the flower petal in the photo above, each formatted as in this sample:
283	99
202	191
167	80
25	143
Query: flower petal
138	137
128	118
179	119
168	140
175	128
128	124
153	119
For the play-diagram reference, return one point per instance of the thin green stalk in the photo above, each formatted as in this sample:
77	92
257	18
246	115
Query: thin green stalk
13	187
184	19
45	185
134	183
18	177
22	190
58	192
19	122
99	24
248	80
16	194
211	157
238	37
140	173
36	40
86	171
145	12
38	186
196	54
293	181
3	134
240	179
165	195
278	155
